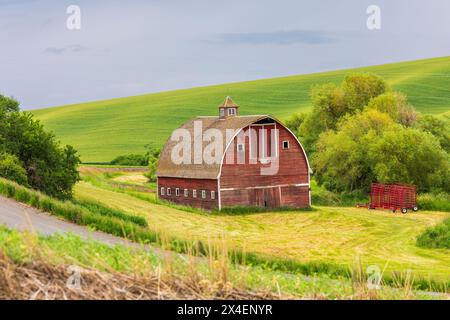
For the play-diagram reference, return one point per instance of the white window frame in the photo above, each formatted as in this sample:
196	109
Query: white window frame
186	193
203	194
222	112
194	193
288	144
169	191
241	145
213	195
177	192
162	191
231	111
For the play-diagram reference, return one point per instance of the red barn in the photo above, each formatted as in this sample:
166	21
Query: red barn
231	160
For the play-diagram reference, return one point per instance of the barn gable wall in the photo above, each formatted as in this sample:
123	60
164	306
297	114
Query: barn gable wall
288	187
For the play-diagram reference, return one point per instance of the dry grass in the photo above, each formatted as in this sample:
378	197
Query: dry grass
41	280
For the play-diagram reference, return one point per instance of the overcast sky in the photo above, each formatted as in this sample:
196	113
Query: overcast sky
132	47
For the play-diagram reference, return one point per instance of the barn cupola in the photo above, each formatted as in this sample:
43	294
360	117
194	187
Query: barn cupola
228	109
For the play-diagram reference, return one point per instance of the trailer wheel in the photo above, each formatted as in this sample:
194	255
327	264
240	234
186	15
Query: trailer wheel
404	210
415	208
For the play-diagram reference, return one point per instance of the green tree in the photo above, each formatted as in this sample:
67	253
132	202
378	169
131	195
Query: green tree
409	155
295	121
437	127
332	102
49	167
153	157
341	162
8	104
396	106
360	88
370	146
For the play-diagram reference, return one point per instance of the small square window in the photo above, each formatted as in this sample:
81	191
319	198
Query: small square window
286	144
194	193
241	147
213	194
169	191
162	192
231	111
186	192
203	194
177	192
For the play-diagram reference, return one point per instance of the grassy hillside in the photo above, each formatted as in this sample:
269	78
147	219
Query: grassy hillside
102	130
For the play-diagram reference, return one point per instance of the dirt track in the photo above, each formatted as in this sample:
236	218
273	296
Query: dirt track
18	216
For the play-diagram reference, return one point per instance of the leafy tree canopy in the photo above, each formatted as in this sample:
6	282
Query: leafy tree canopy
48	166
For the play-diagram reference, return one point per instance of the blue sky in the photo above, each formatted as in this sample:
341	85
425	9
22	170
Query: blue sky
133	47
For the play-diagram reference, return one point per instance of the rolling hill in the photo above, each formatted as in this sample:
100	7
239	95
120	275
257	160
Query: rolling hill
101	130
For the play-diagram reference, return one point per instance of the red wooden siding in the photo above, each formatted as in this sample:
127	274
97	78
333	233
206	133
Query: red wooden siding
190	184
288	187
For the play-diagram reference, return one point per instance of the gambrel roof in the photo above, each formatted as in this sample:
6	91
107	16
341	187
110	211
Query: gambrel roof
167	168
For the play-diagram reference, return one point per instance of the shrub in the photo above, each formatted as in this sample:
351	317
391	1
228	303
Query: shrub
434	201
436	237
12	169
134	160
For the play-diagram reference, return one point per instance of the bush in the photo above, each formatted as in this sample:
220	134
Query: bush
153	157
434	201
134	160
11	168
322	197
436	237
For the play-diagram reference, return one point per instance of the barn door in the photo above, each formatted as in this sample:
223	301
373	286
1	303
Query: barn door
268	197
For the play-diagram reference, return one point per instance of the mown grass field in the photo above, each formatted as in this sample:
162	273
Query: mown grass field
336	235
125	270
101	130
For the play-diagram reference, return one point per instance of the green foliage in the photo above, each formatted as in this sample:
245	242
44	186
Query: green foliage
436	237
153	157
396	106
295	121
359	88
49	167
323	197
11	168
134	160
331	103
8	104
341	162
369	147
437	201
409	156
437	127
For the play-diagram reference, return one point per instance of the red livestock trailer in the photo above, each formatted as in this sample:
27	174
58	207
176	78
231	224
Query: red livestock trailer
393	197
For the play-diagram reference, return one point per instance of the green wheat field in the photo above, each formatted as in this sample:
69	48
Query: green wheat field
102	130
